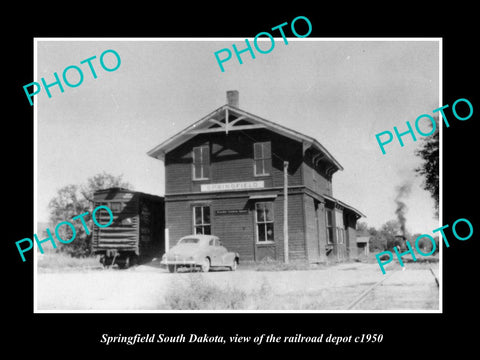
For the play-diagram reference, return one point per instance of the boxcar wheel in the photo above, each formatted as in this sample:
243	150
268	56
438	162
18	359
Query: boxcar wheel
172	268
124	263
206	265
106	261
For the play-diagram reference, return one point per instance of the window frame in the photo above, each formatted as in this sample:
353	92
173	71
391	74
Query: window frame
330	241
339	229
203	225
262	158
265	222
203	164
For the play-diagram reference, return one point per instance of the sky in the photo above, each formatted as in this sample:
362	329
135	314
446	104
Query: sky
340	92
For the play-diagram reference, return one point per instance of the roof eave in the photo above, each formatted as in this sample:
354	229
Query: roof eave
351	208
159	151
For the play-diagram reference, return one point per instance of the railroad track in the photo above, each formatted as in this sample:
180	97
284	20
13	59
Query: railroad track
375	288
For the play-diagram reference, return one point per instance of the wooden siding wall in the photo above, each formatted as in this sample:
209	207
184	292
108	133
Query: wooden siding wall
296	229
232	160
350	230
311	235
178	218
237	232
315	229
322	224
322	183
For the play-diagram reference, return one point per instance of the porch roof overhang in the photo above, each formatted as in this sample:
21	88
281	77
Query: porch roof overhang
346	206
262	196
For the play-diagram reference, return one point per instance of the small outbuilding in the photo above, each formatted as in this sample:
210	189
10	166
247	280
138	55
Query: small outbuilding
363	240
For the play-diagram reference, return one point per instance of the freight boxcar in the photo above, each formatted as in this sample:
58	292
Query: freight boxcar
136	234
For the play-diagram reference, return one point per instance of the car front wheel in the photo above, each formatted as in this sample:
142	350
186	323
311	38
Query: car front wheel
206	265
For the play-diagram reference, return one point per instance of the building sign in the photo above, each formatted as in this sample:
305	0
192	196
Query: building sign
232	186
231	212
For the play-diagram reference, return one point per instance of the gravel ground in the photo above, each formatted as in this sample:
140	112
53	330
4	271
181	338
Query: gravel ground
332	288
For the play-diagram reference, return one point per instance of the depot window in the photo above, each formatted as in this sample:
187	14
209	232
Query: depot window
201	162
340	226
264	222
330	229
201	220
262	158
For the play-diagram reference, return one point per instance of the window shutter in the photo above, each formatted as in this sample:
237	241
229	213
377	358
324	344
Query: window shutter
206	161
267	155
197	156
257	150
205	155
267	152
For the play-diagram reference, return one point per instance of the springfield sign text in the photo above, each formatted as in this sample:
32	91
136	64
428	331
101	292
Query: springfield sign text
232	186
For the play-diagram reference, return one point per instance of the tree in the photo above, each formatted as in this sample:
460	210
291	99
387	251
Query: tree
73	200
429	168
389	231
377	240
362	226
424	243
385	237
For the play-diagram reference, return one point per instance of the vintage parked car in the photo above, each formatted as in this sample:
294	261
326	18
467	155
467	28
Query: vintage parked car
199	251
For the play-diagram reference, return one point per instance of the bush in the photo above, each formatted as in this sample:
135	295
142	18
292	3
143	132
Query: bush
53	261
197	294
73	200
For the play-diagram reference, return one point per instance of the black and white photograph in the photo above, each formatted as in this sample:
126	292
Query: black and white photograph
262	187
213	181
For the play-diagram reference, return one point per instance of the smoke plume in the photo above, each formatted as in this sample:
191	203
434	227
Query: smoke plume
402	193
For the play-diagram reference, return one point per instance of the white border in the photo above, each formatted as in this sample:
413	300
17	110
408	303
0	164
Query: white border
35	175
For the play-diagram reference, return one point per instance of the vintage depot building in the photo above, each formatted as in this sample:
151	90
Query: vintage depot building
224	175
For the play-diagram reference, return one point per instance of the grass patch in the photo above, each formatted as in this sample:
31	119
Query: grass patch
193	292
435	258
269	264
196	293
55	261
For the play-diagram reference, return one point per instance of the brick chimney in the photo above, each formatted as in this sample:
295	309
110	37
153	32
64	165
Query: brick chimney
232	98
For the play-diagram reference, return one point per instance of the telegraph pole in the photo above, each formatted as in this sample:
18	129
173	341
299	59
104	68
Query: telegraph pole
285	211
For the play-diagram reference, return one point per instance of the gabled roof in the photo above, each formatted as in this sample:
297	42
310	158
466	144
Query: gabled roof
229	118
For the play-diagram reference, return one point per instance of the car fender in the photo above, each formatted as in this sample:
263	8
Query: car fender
202	255
229	257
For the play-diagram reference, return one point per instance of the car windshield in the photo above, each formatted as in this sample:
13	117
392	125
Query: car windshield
189	240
